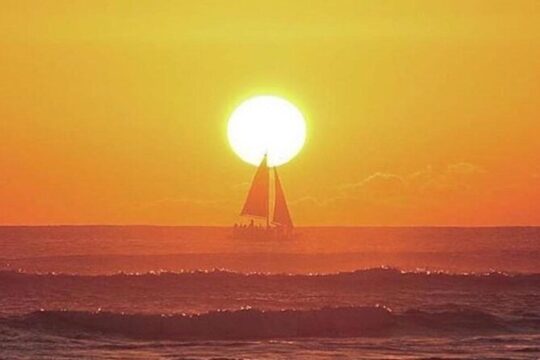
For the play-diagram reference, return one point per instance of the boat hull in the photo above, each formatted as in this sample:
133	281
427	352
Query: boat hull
262	233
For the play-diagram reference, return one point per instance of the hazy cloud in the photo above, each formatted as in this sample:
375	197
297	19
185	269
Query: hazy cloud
378	183
400	199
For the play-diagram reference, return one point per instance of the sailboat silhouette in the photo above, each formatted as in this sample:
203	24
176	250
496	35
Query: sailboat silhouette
258	205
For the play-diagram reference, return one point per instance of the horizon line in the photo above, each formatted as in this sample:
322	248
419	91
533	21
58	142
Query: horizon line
301	226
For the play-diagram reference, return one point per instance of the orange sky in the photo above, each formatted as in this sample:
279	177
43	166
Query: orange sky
418	112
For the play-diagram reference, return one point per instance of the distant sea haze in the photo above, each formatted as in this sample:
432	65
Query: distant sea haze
109	249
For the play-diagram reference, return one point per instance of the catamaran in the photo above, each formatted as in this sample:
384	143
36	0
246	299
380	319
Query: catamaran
258	207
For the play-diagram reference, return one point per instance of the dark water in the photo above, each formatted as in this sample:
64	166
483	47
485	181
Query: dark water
90	311
366	313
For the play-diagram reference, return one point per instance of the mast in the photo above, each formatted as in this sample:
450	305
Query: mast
267	199
268	189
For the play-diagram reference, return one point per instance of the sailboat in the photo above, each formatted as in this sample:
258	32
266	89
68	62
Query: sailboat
278	223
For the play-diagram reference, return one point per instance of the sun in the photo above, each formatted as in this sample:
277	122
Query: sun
269	125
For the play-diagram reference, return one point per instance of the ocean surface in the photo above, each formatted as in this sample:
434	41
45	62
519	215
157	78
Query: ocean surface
193	293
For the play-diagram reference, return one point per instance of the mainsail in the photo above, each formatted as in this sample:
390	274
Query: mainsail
281	211
257	200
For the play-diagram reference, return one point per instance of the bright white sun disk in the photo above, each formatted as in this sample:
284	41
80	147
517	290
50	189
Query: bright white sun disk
266	125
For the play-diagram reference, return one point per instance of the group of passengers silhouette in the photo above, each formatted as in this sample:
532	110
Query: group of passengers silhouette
254	231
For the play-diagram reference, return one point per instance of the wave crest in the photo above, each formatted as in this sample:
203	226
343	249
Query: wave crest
375	273
258	324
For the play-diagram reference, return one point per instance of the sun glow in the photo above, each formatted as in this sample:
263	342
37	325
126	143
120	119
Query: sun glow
266	125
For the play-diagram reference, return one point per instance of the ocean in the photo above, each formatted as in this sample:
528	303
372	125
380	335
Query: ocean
150	292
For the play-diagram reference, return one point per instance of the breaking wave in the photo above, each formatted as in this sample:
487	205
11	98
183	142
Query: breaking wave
257	324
